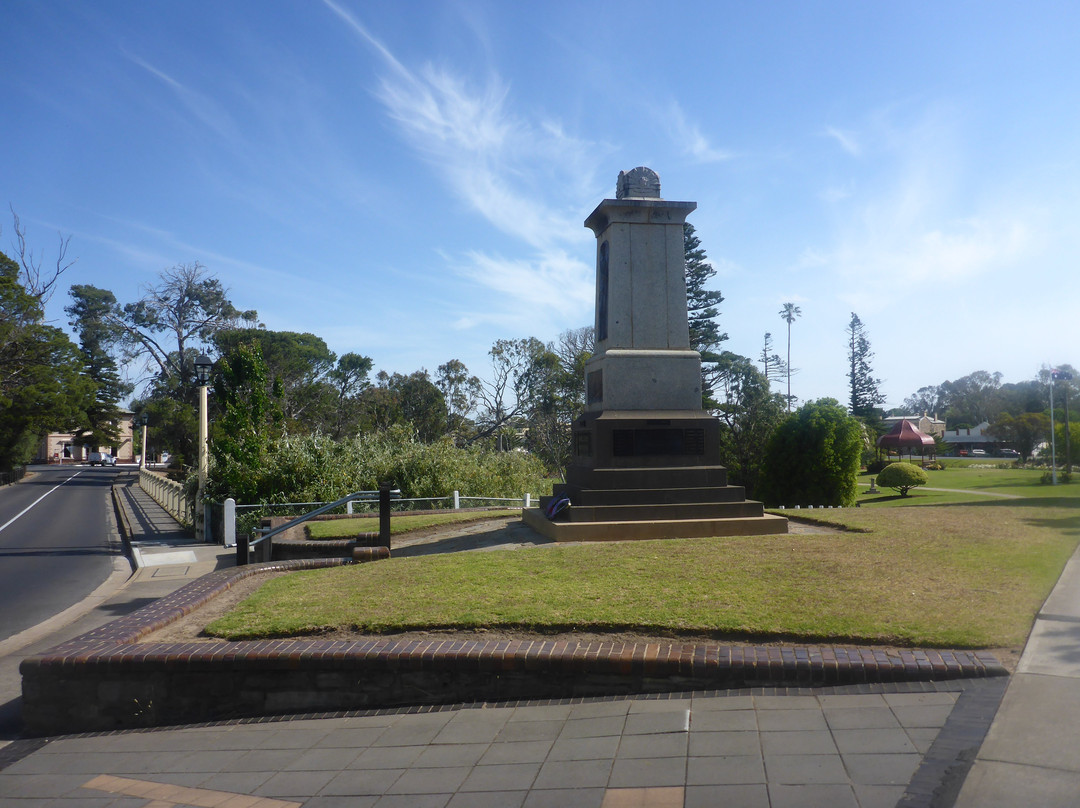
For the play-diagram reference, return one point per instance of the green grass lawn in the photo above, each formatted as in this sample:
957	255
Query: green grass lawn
969	482
350	528
945	575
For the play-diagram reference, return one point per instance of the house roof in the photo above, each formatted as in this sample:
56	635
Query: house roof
905	434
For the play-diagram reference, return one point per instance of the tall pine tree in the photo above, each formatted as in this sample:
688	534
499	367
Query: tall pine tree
702	311
89	312
866	392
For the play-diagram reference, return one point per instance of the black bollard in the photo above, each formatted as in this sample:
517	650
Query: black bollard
241	550
384	514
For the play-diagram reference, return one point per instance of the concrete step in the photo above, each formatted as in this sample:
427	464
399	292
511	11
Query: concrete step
657	496
667	512
654	529
645	477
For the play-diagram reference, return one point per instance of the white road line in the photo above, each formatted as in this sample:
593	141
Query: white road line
36	501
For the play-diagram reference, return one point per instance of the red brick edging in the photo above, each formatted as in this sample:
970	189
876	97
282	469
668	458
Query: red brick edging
107	679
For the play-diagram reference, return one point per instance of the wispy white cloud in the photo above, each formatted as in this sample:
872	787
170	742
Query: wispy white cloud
899	239
200	107
847	139
690	140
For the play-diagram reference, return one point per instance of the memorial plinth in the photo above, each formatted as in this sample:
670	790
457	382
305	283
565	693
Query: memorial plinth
646	459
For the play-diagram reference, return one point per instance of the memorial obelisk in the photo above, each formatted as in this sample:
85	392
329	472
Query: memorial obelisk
645	454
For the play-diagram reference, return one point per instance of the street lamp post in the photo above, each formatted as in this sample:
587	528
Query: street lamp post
144	419
202	373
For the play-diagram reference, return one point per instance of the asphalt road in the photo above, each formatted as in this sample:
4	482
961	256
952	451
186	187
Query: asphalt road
55	546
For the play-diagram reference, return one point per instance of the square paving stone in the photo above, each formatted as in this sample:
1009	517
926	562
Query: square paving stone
517	752
811	796
593	727
929	715
412	801
329	759
861	718
264	760
791	719
445	780
660	705
654	723
876	796
848	701
805	769
919	699
584	748
466	731
459	754
530	731
714	703
487	799
744	796
351	737
565	798
295	784
730	770
716	744
361	782
786	703
723	720
408	735
237	782
641	772
922	738
882	770
387	757
872	741
341	802
599	709
502	777
645	746
573	774
806	742
292	738
541	712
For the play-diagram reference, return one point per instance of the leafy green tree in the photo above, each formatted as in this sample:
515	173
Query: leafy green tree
702	311
813	457
1023	432
789	313
42	384
749	413
89	312
249	423
865	390
902	477
460	392
349	378
300	364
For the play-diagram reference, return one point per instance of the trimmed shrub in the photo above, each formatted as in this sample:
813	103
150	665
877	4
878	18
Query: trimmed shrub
902	477
813	457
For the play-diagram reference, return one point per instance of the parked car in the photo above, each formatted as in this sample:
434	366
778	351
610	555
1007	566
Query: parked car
102	459
1009	453
978	452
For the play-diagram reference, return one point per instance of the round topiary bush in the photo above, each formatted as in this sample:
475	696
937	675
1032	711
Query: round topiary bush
902	477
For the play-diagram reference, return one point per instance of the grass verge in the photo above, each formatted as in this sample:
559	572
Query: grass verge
961	576
350	528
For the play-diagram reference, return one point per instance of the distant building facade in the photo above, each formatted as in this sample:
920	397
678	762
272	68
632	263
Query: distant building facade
61	447
924	423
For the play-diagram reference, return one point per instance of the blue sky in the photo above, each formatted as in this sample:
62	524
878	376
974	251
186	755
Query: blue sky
409	180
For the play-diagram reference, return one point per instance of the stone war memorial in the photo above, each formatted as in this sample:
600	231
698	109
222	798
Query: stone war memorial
646	461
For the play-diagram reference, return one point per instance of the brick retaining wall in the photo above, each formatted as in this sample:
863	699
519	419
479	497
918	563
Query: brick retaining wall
107	679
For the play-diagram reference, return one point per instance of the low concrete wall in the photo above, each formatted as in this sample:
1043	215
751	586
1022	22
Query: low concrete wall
107	679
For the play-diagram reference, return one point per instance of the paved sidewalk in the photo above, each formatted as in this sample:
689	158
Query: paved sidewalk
864	745
1032	753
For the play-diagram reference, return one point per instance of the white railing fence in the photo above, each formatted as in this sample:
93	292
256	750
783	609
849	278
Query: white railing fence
168	494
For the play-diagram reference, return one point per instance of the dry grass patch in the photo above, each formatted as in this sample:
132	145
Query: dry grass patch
957	576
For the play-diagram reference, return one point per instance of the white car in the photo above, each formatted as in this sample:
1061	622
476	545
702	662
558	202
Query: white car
101	459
